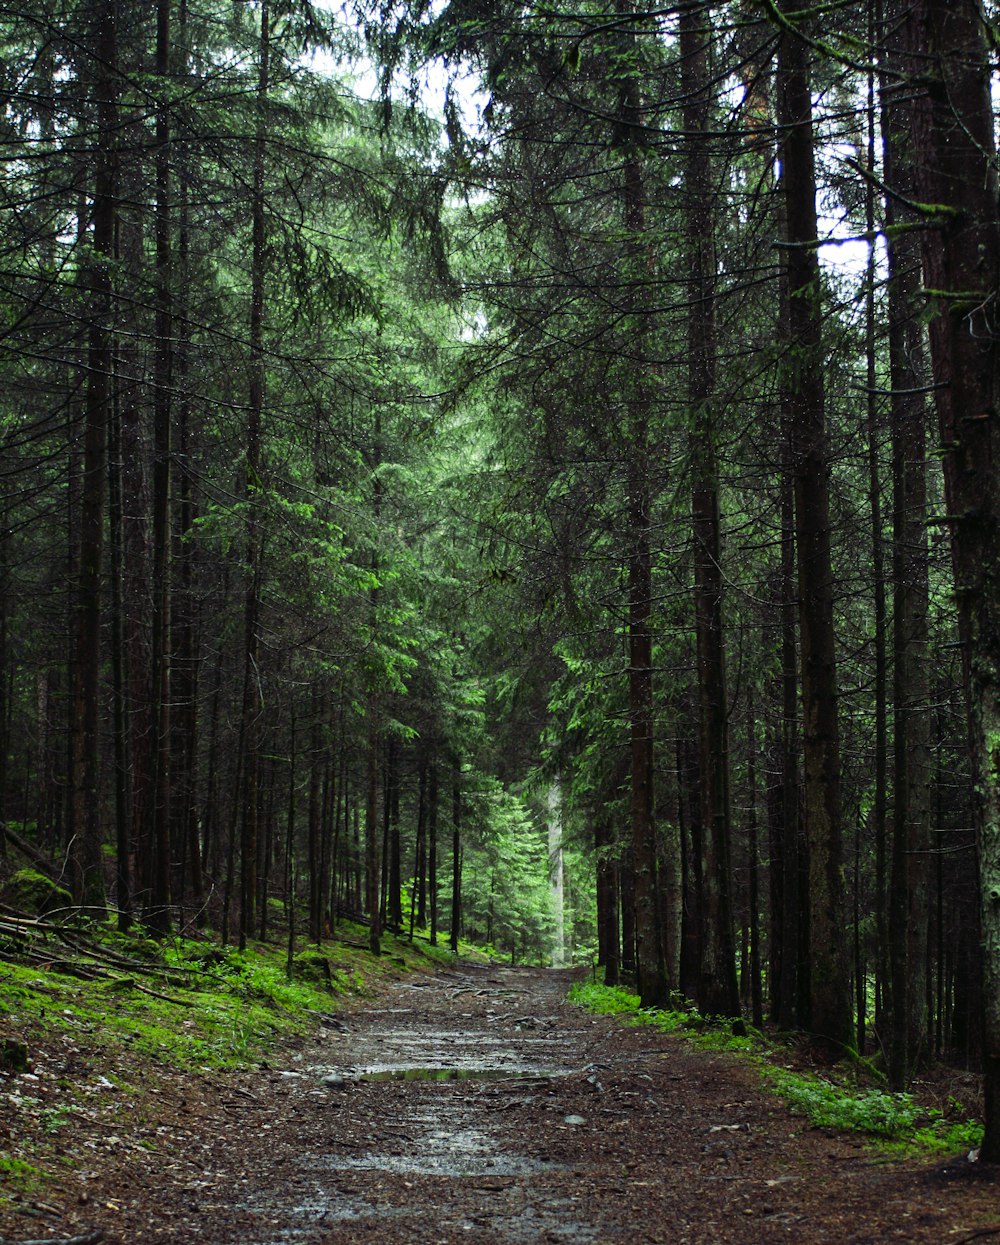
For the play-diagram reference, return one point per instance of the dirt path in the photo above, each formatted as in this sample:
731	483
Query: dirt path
553	1126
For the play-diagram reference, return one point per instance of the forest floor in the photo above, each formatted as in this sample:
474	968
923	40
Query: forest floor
552	1125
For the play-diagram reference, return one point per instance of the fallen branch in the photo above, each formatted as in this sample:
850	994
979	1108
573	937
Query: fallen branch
156	994
89	1238
979	1233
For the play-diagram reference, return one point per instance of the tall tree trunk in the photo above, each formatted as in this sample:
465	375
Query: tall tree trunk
119	680
692	859
908	920
372	899
432	865
753	870
88	875
456	857
607	899
159	833
420	871
718	992
830	1015
315	847
185	663
418	890
952	129
875	473
557	878
253	498
373	709
395	900
650	971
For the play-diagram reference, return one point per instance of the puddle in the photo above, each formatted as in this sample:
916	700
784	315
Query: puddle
323	1211
453	1163
451	1074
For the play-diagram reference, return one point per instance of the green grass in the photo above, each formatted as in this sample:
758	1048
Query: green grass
18	1178
895	1122
211	1006
707	1034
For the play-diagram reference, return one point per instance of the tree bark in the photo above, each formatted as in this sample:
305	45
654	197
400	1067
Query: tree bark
159	830
432	865
253	498
952	134
830	1015
456	858
908	917
650	971
718	991
87	864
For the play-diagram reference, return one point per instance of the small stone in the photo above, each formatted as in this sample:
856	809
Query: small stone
335	1081
575	1120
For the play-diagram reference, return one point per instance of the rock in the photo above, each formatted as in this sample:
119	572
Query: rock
575	1120
334	1080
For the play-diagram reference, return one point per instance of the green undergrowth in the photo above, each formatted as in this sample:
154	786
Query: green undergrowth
895	1122
190	1002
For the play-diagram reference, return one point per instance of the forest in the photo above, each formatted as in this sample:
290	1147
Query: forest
524	472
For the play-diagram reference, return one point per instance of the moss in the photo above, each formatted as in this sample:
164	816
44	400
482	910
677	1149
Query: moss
19	1179
312	966
29	890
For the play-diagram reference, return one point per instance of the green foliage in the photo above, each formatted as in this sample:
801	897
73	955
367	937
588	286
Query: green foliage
889	1117
604	1000
617	1001
507	902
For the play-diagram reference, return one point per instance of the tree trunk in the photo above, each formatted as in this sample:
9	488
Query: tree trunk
908	920
830	1015
718	992
159	830
252	496
456	859
395	900
952	129
875	472
607	901
650	972
119	678
753	871
87	863
432	867
556	873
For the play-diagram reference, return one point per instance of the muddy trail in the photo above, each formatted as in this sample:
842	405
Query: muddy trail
477	1105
